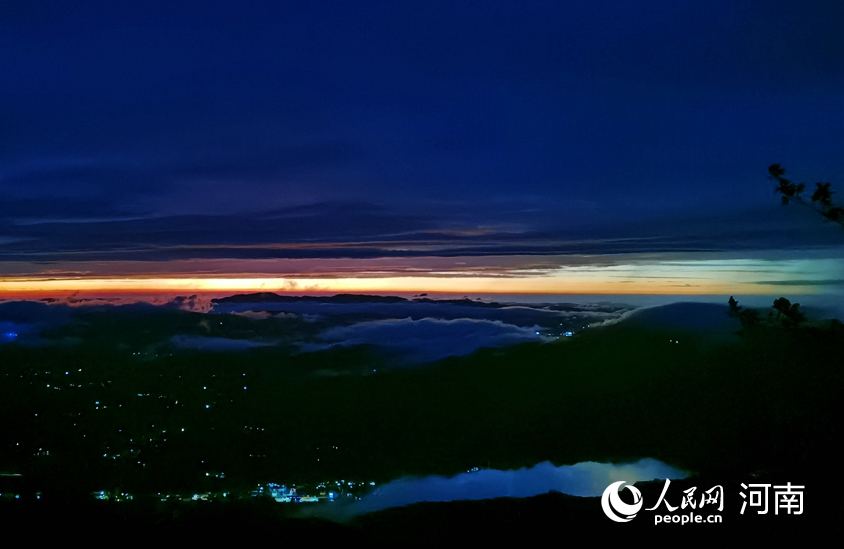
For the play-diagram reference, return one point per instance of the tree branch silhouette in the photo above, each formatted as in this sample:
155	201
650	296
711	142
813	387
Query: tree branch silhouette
821	200
789	314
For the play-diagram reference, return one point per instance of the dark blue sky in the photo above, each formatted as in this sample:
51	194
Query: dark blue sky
182	130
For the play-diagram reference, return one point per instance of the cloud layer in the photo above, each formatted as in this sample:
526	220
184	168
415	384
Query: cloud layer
214	344
580	479
428	339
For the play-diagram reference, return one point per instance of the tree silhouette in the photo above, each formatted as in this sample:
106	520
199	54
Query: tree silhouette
788	314
748	317
735	308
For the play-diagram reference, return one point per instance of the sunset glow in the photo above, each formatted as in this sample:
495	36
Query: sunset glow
668	275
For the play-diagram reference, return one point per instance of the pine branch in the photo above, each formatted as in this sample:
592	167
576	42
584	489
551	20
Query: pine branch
821	201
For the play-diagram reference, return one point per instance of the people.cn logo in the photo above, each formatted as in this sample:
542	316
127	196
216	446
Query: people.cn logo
616	509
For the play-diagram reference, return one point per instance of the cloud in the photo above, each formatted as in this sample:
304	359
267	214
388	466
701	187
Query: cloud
185	303
93	231
24	321
215	344
256	315
39	316
428	339
586	479
523	315
805	282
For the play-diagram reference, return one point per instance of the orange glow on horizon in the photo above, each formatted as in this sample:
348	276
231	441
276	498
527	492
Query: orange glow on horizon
573	284
631	274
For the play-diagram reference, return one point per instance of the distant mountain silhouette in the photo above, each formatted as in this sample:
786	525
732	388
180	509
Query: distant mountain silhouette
464	301
708	317
269	297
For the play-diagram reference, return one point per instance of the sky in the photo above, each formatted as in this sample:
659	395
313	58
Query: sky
489	147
